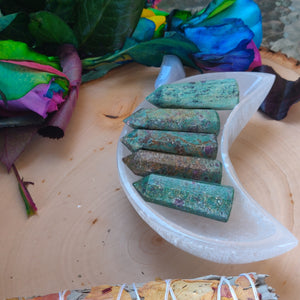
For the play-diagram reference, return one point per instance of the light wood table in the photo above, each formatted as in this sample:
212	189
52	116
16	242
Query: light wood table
86	232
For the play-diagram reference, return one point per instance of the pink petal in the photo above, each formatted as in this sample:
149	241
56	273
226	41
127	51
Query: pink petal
36	66
257	59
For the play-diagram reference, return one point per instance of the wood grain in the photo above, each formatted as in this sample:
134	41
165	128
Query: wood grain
86	233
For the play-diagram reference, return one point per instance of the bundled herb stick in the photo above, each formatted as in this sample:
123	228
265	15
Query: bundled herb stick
214	94
243	287
189	120
183	143
144	162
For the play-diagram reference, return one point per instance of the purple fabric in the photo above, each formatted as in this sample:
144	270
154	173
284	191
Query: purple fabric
257	59
36	101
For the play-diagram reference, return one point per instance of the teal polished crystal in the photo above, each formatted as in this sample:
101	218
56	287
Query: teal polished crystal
205	199
190	120
144	162
183	143
213	94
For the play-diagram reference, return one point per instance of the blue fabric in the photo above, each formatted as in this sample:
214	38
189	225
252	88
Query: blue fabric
246	10
54	88
236	60
222	38
144	30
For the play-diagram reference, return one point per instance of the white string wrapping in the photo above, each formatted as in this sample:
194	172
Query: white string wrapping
169	290
168	282
62	295
172	293
225	280
252	285
120	292
136	292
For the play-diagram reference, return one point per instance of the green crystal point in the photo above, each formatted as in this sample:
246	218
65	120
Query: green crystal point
189	120
182	143
144	162
205	199
141	185
213	94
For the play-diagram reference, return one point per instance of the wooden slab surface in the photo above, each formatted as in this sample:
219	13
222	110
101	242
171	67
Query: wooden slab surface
86	233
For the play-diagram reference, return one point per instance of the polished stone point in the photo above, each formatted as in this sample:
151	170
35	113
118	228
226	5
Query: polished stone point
209	200
182	143
213	94
144	162
189	120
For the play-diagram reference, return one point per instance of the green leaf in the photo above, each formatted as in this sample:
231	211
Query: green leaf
222	7
99	72
181	14
148	53
103	25
159	12
15	27
25	78
48	28
30	206
151	53
65	9
214	8
13	50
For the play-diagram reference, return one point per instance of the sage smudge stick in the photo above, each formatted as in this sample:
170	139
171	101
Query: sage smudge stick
245	286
